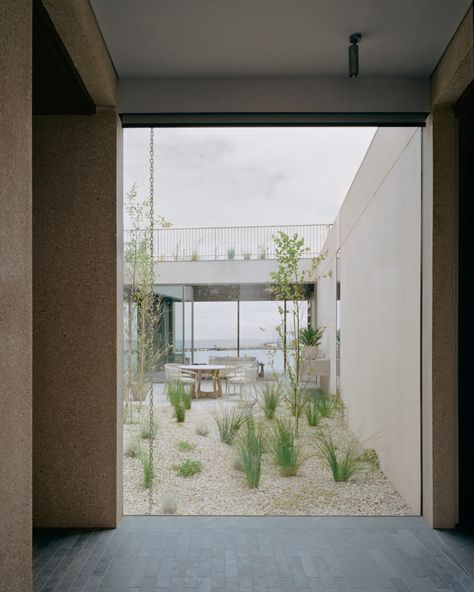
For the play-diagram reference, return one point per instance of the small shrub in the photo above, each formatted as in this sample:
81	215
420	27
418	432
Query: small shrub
184	446
246	256
175	391
148	431
313	414
325	404
342	460
250	453
231	253
133	448
148	471
202	430
229	423
180	399
169	504
370	456
286	450
188	468
270	399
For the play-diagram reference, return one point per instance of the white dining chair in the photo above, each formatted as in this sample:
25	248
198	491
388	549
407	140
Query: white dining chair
245	378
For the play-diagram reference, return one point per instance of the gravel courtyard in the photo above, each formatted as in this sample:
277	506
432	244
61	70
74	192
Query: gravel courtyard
221	489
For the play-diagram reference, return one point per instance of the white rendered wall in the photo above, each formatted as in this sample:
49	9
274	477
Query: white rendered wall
378	235
236	271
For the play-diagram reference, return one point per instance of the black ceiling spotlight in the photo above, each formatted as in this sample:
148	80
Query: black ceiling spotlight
354	54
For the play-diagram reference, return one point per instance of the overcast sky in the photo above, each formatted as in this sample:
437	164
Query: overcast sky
246	176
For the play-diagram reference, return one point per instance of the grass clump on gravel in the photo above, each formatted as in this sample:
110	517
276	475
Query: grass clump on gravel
133	448
169	504
184	446
188	468
148	471
148	431
313	414
202	430
229	423
180	399
343	460
270	400
250	452
285	448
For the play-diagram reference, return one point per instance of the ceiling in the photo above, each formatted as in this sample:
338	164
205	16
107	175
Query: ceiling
159	39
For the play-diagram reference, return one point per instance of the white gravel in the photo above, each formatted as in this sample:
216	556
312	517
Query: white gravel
221	489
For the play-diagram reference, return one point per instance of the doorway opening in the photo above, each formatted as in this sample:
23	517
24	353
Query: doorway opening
264	399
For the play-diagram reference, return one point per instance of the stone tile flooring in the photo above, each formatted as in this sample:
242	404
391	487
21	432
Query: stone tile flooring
263	554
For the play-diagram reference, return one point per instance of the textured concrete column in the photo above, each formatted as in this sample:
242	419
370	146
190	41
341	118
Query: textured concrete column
439	320
76	234
15	299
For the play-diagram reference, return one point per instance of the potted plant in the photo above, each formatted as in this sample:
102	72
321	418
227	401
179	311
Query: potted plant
310	338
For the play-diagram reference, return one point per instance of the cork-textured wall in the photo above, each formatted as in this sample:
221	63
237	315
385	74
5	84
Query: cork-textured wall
15	296
75	238
439	279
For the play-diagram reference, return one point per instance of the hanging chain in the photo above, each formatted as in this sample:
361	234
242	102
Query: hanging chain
152	283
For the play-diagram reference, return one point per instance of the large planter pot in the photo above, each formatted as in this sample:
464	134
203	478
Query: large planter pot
140	390
310	352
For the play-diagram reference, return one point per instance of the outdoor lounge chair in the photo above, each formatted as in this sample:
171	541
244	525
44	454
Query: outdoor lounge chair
245	377
173	373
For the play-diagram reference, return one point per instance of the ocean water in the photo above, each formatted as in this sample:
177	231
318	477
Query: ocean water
271	357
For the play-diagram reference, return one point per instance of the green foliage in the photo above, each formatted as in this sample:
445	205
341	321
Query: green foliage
148	431
231	253
271	396
175	391
148	471
343	460
180	410
229	422
246	256
142	312
180	399
328	405
285	448
250	452
311	336
187	398
288	286
325	405
188	468
313	414
184	446
202	430
370	456
133	448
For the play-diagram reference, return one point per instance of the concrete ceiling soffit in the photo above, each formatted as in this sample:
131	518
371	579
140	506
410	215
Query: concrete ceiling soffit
455	70
275	96
171	39
77	26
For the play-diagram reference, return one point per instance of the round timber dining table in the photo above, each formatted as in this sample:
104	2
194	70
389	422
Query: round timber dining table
206	369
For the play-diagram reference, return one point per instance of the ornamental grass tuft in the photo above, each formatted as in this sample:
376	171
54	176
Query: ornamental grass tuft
250	452
285	448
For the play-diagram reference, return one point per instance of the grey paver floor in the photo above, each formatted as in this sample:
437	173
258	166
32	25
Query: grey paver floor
263	554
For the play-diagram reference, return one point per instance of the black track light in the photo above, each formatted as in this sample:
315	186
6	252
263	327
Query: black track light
354	54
